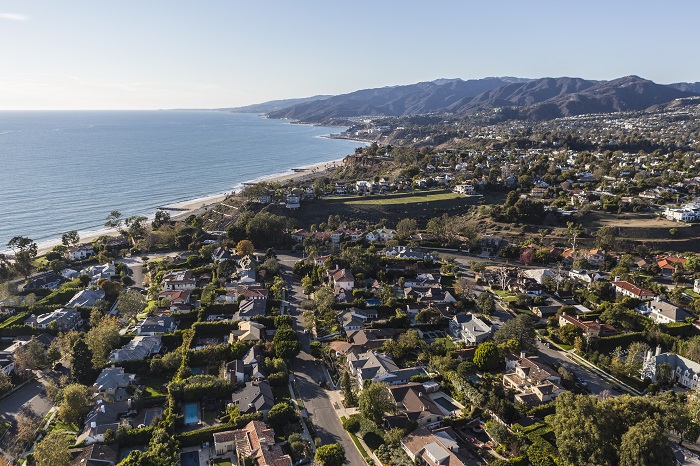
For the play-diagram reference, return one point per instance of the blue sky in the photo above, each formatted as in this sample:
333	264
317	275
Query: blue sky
86	54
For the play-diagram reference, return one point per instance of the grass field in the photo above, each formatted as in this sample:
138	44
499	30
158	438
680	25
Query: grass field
154	386
398	199
448	343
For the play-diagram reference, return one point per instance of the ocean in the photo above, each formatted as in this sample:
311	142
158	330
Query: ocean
66	170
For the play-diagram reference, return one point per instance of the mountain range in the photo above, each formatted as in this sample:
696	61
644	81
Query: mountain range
543	98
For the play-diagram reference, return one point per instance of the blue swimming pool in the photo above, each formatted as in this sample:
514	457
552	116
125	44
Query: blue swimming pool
446	404
190	458
191	413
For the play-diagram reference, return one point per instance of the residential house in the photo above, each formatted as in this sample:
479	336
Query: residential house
179	300
97	454
441	447
595	257
63	319
97	272
293	202
355	319
688	213
255	397
379	367
683	371
80	252
342	279
591	329
369	339
248	291
469	328
546	311
466	189
253	444
247	331
663	312
247	369
155	325
222	254
7	362
86	298
139	347
584	276
383	235
532	380
50	280
414	405
104	416
111	384
633	291
668	265
179	280
249	308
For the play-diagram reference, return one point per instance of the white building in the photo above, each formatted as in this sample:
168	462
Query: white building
687	213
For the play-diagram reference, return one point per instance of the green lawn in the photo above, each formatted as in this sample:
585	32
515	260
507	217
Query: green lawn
359	446
222	462
448	343
154	386
689	291
506	296
209	416
398	199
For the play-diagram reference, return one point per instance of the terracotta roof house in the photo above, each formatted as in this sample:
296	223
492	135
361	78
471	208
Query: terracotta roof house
633	291
255	441
440	447
591	329
532	380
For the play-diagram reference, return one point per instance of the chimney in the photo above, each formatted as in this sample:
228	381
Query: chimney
102	408
522	355
658	350
128	403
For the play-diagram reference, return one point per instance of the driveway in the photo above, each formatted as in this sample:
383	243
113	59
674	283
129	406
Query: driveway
30	399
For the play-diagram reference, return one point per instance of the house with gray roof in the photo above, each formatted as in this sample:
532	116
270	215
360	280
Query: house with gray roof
256	396
379	367
663	312
469	328
683	371
248	368
86	298
112	382
140	347
155	325
64	319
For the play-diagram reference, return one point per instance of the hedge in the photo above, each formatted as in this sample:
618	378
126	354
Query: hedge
197	387
608	344
684	329
213	329
133	437
217	354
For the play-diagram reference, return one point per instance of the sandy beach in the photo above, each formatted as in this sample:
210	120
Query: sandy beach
184	209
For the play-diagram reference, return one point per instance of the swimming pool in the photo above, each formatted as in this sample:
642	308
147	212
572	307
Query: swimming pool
192	413
190	458
446	404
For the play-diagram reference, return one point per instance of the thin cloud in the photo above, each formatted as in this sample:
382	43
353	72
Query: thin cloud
14	16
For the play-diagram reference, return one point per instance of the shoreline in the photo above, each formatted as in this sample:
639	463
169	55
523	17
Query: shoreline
197	206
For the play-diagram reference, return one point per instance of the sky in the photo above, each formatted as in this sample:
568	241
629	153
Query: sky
127	54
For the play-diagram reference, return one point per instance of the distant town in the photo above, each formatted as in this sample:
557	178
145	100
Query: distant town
460	291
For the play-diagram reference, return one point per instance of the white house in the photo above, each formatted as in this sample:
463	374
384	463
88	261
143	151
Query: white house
469	328
687	213
65	319
663	312
467	189
78	253
684	371
179	280
342	279
382	234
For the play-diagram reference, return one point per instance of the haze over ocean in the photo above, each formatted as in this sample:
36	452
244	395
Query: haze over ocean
66	170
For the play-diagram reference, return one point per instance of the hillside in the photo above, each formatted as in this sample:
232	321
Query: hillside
543	98
273	105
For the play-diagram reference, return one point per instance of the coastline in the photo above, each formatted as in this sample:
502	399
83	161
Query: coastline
183	209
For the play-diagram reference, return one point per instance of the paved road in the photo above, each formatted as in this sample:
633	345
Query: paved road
308	372
30	399
594	382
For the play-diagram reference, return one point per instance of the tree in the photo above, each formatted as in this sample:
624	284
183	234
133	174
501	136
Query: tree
348	387
75	403
486	303
102	338
52	450
280	415
5	383
25	431
583	430
53	353
605	238
25	252
374	401
486	357
135	227
114	220
330	455
573	230
278	287
645	444
162	218
131	302
521	329
70	238
245	248
636	353
30	356
81	362
66	340
406	227
286	343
